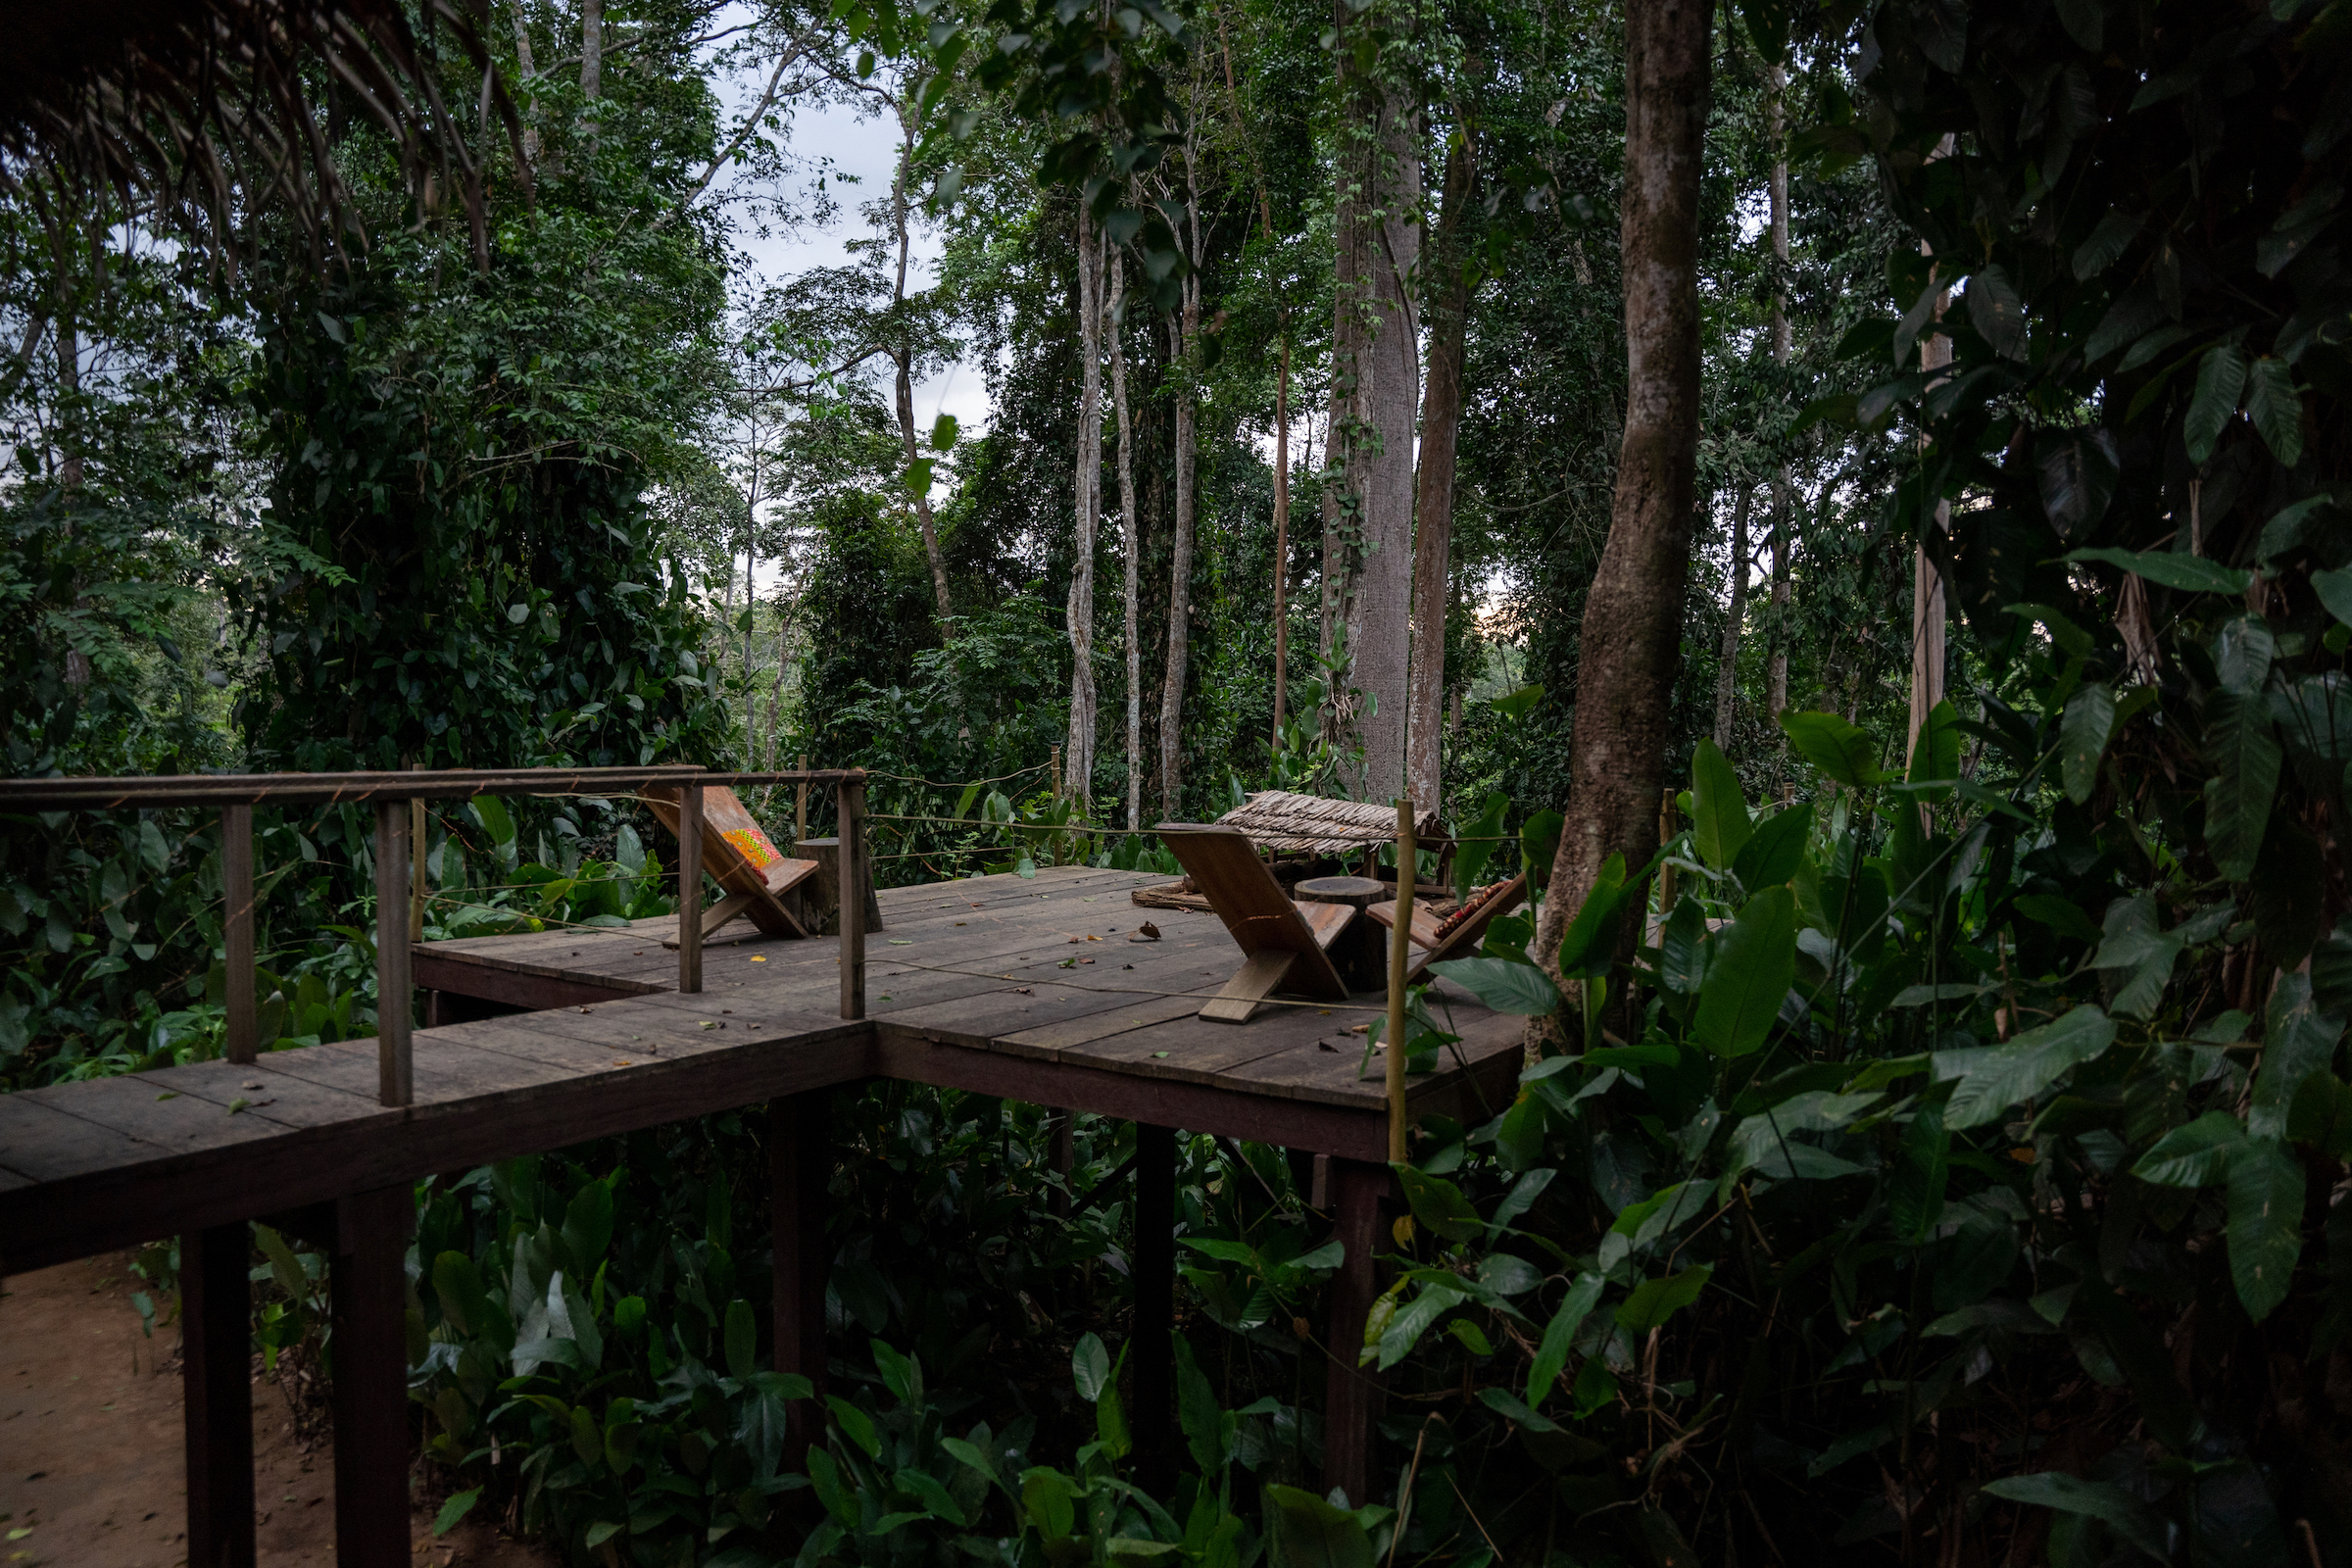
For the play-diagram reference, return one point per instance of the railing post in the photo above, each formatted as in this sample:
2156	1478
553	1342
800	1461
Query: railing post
236	932
395	1078
416	848
800	810
690	887
854	872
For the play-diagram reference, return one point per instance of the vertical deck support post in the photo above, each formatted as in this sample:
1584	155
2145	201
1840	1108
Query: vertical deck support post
369	1283
854	874
236	941
1351	1394
799	1168
690	887
215	1304
394	1077
1156	1306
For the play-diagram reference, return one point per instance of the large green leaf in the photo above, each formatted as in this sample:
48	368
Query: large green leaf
1776	850
1993	1078
1997	313
1304	1531
1652	1301
1559	1334
1503	984
2114	230
1720	823
2082	733
2276	408
1477	841
2266	1222
2297	1041
2221	378
2243	749
1588	946
2194	1156
1749	974
2242	649
2102	1500
1439	1205
1838	749
2192	574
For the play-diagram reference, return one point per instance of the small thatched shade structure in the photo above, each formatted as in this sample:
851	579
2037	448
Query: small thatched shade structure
1285	823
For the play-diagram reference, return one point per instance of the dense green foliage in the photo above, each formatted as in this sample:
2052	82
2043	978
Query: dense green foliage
1956	1171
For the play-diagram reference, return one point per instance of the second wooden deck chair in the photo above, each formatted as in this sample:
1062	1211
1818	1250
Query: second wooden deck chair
742	859
1456	936
1282	944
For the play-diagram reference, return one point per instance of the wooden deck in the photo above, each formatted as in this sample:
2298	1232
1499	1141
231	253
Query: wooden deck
1027	988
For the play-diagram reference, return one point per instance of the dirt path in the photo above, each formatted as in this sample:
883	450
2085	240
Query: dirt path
91	1467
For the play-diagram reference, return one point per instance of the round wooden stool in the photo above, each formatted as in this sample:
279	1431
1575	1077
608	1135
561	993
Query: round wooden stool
1357	892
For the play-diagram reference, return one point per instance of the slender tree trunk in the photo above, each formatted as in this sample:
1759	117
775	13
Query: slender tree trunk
1079	753
526	71
1433	505
902	357
1184	333
592	55
751	605
1282	540
1376	394
1633	620
1775	664
1131	532
1726	674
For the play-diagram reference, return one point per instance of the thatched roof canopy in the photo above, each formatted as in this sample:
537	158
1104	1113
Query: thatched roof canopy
1307	825
212	109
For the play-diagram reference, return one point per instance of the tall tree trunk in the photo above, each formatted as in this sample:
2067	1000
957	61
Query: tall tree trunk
1131	532
526	71
902	357
1927	583
592	48
1634	612
1776	665
1282	540
1184	332
1079	753
1726	674
1376	393
1446	321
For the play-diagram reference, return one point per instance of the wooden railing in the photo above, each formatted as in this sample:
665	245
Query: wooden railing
392	794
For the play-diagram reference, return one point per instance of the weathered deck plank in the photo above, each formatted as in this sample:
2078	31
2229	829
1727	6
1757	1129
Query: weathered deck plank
967	990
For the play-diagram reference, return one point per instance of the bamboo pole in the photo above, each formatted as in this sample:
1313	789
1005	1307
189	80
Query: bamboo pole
237	945
690	889
1399	960
854	872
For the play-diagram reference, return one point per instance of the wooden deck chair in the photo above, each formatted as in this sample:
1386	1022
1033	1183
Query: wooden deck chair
1434	941
1284	945
742	859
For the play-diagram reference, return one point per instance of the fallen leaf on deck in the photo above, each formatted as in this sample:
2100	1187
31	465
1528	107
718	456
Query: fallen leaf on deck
1160	1053
168	1094
1147	932
900	942
759	958
236	1106
1023	990
1325	1045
